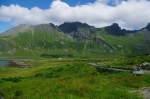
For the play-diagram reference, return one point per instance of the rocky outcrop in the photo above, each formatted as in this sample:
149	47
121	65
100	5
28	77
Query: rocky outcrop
148	27
78	30
141	69
19	64
115	29
146	92
145	66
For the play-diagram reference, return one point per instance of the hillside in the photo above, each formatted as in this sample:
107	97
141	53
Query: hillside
73	39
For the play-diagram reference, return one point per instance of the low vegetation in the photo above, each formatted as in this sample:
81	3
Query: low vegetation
60	57
68	79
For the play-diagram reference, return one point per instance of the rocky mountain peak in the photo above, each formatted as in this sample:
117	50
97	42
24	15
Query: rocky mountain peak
148	27
69	27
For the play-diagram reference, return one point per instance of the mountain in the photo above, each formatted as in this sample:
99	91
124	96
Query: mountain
115	29
31	28
85	33
17	29
147	27
33	38
72	39
78	30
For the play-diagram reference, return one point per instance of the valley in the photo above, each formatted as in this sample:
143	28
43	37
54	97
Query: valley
57	62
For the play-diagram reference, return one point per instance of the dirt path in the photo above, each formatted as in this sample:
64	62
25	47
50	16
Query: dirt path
109	69
146	93
147	71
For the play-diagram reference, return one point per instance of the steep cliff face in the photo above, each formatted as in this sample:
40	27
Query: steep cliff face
78	30
115	29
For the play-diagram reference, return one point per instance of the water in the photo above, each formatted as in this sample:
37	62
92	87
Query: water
4	63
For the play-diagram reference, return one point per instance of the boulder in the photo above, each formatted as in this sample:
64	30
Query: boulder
145	66
137	70
19	64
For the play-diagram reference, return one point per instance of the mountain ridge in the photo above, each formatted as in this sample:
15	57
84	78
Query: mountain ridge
73	38
76	25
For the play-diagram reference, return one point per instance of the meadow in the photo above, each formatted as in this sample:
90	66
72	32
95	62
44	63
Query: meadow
60	63
69	79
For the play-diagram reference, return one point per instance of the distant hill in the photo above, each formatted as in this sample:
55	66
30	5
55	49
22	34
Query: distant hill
31	28
17	29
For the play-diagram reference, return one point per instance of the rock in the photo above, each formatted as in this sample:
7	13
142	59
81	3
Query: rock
19	64
137	70
146	93
140	72
1	97
145	66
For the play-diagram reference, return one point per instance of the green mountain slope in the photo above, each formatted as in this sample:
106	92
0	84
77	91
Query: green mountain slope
72	40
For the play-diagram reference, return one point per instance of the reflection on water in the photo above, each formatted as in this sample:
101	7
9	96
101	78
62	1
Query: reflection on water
4	63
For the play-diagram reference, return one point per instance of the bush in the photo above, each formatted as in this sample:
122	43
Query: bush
18	93
56	55
16	79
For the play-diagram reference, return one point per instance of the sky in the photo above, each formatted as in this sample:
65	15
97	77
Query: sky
129	14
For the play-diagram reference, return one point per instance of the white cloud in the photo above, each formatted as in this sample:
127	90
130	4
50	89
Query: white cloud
131	14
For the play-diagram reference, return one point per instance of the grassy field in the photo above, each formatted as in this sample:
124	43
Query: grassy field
68	79
60	62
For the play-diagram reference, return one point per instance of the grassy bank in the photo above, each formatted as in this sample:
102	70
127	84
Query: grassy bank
48	79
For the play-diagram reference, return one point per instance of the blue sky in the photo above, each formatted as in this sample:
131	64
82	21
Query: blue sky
130	14
43	4
4	26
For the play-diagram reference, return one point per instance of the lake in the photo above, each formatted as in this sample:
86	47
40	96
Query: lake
4	63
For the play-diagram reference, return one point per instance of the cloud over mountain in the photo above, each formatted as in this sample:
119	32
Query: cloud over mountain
131	14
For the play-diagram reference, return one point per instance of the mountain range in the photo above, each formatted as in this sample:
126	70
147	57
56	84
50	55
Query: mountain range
73	39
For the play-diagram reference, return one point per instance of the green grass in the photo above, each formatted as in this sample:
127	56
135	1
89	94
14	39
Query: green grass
54	43
60	67
68	79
